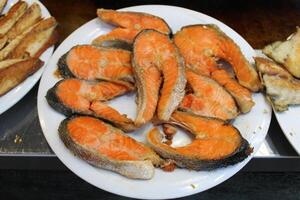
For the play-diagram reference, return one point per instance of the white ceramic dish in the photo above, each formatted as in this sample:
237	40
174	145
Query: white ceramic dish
289	121
17	93
181	182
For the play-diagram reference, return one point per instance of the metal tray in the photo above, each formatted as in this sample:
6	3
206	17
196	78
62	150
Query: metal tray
23	146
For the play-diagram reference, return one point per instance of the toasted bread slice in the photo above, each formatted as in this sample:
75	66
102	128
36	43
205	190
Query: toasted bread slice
42	36
281	87
14	13
16	73
107	147
3	41
286	53
9	62
2	5
6	51
28	19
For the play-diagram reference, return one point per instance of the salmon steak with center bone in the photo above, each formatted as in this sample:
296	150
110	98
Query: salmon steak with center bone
216	144
155	60
107	147
208	98
96	63
129	24
203	45
74	96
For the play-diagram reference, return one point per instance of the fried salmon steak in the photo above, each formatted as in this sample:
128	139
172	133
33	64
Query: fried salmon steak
281	87
107	147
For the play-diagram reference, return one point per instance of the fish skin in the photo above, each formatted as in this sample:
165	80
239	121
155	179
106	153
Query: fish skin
208	98
165	61
88	98
192	156
117	68
202	45
107	147
281	87
129	24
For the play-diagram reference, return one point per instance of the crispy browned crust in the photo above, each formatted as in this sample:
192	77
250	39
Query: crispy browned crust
21	51
15	74
28	19
2	4
101	10
15	12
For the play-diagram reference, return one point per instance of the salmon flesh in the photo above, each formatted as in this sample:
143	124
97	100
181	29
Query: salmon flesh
203	45
154	54
208	98
241	95
96	63
107	147
74	96
216	144
129	24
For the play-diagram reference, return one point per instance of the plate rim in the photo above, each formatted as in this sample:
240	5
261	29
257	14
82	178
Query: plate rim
25	86
190	192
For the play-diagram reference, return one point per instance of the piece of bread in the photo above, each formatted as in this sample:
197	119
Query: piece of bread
281	87
14	13
286	53
107	147
41	37
28	19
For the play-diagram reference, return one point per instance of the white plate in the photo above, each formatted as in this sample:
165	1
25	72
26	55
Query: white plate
289	121
181	182
16	94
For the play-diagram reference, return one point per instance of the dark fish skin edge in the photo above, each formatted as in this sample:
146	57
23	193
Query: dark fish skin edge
206	165
63	67
56	103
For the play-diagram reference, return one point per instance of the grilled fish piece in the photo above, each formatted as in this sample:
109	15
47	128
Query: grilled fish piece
155	54
281	87
107	147
216	143
9	62
129	24
202	45
241	95
94	63
209	98
286	53
74	96
13	75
